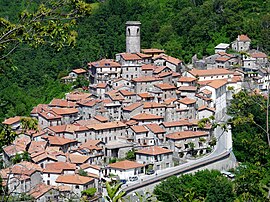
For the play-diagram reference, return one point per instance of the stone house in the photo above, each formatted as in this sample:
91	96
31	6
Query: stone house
174	126
23	176
125	169
205	112
140	134
157	132
186	142
132	110
144	84
61	143
189	105
131	65
160	158
44	193
174	64
154	108
76	182
104	71
167	89
242	43
218	95
53	170
14	123
222	47
186	81
109	131
145	118
87	108
210	74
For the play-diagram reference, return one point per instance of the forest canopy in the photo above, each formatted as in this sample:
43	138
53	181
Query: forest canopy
181	27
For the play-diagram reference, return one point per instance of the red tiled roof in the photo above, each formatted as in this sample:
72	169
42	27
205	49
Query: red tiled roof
210	72
165	86
101	118
187	101
186	134
152	51
105	63
61	103
154	150
145	116
108	125
148	67
186	79
74	179
146	79
181	122
65	111
243	37
148	105
12	120
139	129
155	128
258	55
79	71
130	56
125	165
132	106
217	83
187	88
60	141
39	190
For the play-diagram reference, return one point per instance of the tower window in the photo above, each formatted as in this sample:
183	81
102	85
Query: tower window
128	31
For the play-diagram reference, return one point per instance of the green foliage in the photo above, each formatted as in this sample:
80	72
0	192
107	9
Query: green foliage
112	160
131	155
115	194
82	172
25	156
202	186
90	192
7	136
81	82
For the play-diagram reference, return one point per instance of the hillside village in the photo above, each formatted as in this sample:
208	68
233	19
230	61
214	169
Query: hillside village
142	102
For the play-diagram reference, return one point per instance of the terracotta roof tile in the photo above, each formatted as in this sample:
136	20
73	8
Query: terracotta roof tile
105	63
145	116
87	165
187	101
155	128
101	118
165	86
130	56
65	111
76	96
77	158
258	55
243	37
62	103
148	67
108	125
146	79
217	83
58	167
187	88
12	120
59	141
74	179
79	71
132	106
204	107
125	165
186	134
154	150
39	190
148	105
186	79
146	95
210	72
139	129
126	93
152	51
181	122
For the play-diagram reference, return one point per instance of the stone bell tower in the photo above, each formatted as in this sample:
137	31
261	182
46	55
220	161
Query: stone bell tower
133	37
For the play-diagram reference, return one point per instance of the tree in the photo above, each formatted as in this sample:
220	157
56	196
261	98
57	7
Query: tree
131	155
51	23
82	172
114	192
90	192
21	157
202	186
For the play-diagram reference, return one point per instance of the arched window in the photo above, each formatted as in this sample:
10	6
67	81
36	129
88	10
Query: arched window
138	31
128	32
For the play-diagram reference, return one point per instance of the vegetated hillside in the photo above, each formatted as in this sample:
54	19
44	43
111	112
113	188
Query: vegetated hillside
181	27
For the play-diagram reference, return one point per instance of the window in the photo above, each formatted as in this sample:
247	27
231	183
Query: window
48	182
48	174
77	187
